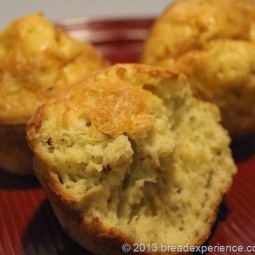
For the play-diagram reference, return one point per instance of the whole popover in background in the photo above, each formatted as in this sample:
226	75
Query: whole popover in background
38	61
130	156
213	43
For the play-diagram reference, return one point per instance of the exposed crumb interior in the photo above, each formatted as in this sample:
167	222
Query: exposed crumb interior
171	176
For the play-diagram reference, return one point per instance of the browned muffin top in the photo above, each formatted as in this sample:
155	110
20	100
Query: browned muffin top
38	61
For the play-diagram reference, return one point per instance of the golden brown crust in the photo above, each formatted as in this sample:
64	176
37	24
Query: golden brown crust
213	43
115	108
109	102
187	26
38	61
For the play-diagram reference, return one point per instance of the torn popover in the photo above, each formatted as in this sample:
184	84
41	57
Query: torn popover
130	156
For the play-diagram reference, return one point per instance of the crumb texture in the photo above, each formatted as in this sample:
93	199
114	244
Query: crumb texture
213	43
159	175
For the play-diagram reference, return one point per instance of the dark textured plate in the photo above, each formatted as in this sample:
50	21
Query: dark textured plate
119	40
27	223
